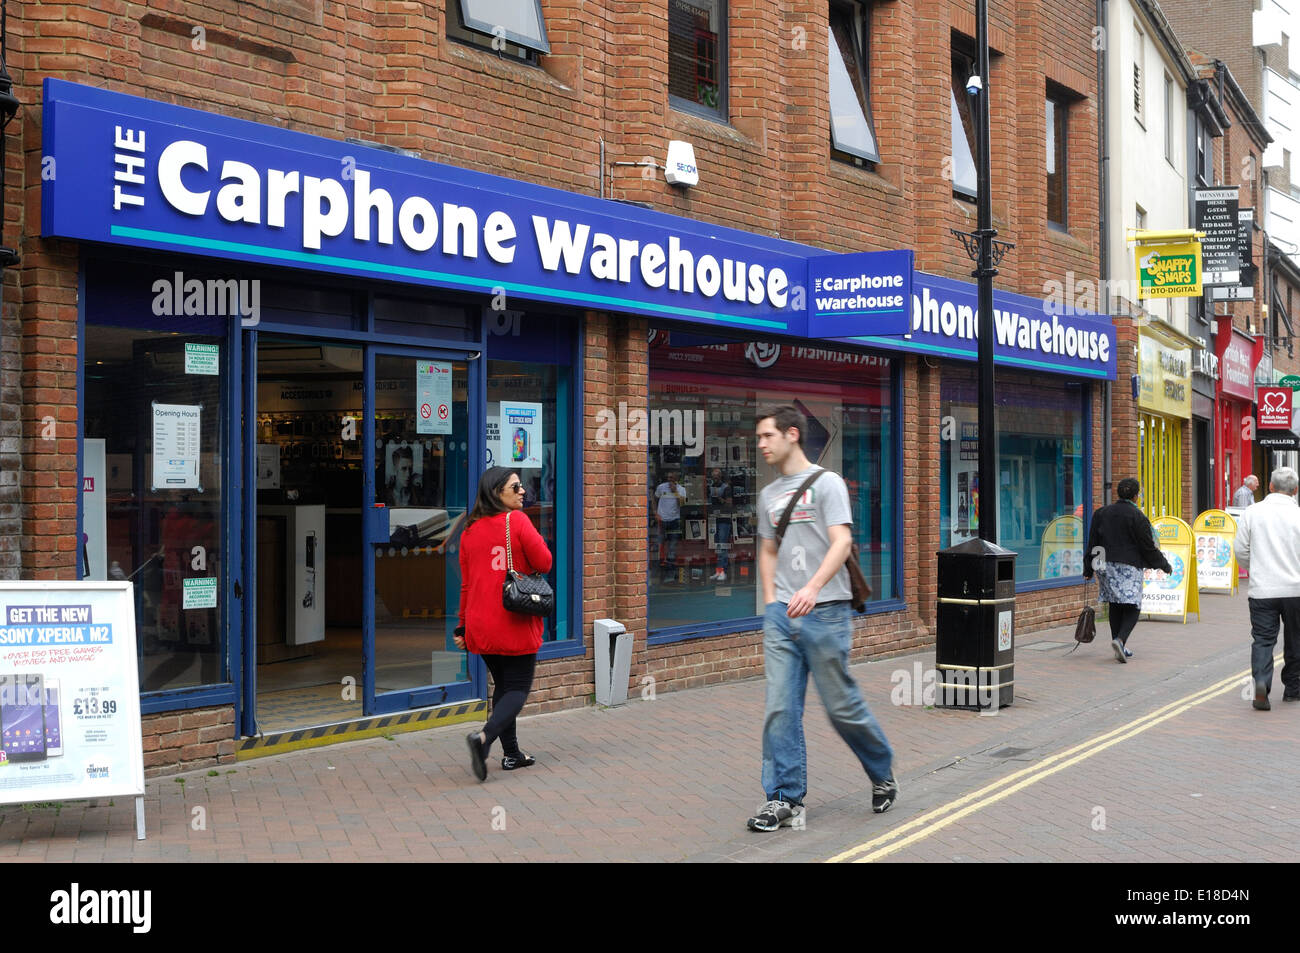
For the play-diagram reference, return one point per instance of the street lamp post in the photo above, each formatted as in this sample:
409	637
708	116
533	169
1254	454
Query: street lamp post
986	253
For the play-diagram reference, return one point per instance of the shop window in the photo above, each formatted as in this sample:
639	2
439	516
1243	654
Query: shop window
964	178
1041	498
153	449
532	371
1057	113
513	28
697	56
704	473
853	135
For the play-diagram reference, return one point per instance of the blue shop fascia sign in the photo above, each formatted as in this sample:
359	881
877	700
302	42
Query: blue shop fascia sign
124	170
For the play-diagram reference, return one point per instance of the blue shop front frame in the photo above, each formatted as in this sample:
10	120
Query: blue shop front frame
239	381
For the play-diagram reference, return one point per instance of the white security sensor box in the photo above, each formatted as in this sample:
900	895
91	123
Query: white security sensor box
680	168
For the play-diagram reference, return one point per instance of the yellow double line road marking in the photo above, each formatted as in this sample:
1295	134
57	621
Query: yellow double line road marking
927	824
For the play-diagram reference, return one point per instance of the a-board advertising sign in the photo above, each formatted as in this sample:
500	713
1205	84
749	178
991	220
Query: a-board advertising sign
1216	564
1062	550
1172	595
69	692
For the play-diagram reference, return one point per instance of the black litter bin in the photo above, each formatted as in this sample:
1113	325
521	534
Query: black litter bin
974	636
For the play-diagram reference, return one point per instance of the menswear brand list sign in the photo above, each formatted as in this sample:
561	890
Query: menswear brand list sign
1216	216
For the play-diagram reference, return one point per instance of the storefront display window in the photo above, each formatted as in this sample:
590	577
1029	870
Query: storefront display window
704	473
1042	491
528	419
152	483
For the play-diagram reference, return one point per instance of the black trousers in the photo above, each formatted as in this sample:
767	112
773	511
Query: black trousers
512	679
1122	619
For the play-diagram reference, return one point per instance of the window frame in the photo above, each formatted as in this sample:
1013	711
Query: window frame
1139	75
1059	104
462	28
859	11
720	112
960	58
1170	98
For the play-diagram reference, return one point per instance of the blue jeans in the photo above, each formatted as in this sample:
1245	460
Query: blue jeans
819	643
1265	614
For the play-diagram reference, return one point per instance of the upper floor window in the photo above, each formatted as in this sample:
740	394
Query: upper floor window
697	56
852	130
964	179
513	28
1139	62
1170	99
1057	128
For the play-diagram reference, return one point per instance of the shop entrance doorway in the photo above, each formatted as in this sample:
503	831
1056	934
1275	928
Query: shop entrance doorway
361	461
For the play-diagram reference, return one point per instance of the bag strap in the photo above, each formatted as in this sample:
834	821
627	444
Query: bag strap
785	517
510	563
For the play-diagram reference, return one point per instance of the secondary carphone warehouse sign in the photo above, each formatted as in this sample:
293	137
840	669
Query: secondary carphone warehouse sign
131	171
69	692
1037	335
863	293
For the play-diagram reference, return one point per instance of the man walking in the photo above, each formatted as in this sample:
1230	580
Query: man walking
807	531
1245	494
1268	545
669	497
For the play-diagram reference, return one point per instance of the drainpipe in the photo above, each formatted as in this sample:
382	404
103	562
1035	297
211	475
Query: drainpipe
1103	191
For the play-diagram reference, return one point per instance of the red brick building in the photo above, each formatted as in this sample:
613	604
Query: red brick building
577	97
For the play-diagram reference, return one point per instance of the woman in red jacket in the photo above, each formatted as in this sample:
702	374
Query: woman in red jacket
508	641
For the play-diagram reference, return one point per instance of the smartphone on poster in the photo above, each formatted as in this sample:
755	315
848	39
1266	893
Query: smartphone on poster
53	719
22	717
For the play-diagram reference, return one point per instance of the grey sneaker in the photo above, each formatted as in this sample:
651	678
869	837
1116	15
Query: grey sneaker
775	814
883	795
1118	647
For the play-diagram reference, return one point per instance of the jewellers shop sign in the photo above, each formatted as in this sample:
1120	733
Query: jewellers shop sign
1037	335
130	171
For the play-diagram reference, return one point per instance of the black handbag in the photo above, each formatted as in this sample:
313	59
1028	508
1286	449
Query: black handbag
528	594
1085	629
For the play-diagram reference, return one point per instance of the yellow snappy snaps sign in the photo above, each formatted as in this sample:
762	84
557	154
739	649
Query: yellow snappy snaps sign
1169	271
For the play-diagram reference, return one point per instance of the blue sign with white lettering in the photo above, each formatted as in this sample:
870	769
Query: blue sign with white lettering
1029	333
132	171
860	293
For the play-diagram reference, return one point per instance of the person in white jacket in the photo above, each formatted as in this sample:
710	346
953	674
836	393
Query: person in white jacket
1268	546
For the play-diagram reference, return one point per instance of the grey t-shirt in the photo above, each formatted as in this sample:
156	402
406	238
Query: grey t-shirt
807	539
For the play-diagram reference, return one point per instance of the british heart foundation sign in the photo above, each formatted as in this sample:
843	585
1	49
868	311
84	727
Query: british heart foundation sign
1274	407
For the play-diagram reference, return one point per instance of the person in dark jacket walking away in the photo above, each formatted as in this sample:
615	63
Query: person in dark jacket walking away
1120	545
508	641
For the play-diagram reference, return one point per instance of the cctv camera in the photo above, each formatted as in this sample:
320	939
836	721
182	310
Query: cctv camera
473	356
974	85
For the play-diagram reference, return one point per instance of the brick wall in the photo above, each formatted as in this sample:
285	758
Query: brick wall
188	740
386	72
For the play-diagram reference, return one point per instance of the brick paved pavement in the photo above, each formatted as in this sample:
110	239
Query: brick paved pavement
675	778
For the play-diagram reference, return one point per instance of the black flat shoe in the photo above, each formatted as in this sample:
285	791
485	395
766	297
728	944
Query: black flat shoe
521	760
477	763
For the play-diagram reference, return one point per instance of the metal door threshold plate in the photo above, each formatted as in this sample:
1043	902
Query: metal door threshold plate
359	728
